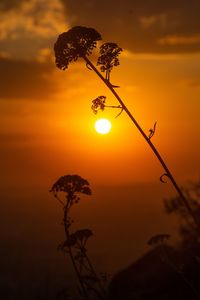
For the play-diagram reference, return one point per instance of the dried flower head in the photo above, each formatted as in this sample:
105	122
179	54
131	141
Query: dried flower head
108	58
98	104
70	242
76	42
81	236
71	184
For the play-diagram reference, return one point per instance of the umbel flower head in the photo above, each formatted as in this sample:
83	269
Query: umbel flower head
108	58
98	104
77	42
81	235
71	184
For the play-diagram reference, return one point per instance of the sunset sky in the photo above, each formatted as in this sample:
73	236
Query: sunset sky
46	121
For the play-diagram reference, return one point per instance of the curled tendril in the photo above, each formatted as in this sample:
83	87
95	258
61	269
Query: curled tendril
108	58
98	104
71	184
162	178
119	112
77	42
152	130
159	238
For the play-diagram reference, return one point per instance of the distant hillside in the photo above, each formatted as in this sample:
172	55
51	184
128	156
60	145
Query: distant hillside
163	273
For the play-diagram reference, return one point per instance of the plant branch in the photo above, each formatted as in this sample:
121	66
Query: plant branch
71	253
102	296
151	145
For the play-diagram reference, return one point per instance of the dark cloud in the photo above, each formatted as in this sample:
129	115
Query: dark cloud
25	79
8	4
30	26
142	25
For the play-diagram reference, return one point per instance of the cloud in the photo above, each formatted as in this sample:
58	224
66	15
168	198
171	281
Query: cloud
28	30
180	40
138	25
190	82
6	5
28	27
157	20
26	80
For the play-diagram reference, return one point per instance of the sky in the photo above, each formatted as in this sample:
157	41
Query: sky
46	121
40	105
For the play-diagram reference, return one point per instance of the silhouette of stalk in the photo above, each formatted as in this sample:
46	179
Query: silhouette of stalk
79	42
187	229
67	234
148	140
75	243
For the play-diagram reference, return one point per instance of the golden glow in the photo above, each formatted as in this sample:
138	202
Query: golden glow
103	126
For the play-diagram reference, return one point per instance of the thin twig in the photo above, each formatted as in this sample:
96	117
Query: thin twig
153	148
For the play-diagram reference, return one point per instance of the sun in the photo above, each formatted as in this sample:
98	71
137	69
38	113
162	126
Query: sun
102	126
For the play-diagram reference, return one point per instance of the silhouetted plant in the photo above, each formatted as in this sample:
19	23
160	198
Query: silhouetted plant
79	42
190	242
75	242
100	104
169	256
188	230
108	58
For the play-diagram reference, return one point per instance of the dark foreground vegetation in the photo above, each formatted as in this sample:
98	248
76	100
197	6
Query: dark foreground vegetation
164	272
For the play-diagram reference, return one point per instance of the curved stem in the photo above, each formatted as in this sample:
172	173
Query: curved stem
71	254
101	296
153	148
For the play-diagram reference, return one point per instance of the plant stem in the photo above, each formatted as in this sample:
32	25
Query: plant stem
71	254
102	293
153	148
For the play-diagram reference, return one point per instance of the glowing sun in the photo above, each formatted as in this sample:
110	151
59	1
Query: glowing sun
102	126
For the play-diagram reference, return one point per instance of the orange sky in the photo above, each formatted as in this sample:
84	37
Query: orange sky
47	125
46	121
44	138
